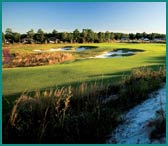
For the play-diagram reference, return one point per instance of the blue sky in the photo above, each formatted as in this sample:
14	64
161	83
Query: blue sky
101	16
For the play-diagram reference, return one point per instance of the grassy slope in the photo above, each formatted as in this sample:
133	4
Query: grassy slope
17	80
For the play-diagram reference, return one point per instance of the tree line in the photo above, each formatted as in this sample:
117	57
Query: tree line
85	36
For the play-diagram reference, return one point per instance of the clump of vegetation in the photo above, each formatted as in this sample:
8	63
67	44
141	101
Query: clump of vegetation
38	59
86	114
142	81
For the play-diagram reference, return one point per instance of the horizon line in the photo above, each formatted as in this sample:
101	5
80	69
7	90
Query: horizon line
80	30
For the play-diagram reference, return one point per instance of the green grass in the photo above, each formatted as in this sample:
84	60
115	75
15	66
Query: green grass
17	80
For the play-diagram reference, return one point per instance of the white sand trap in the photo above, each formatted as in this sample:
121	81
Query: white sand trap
135	130
114	54
53	50
107	55
63	49
37	50
50	50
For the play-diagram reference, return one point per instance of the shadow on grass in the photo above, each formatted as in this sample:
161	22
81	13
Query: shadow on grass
123	73
160	59
105	79
127	49
88	47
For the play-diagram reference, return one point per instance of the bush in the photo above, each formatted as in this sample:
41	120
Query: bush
142	81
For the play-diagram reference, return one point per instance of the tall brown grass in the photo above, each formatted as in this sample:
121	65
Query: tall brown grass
142	81
37	59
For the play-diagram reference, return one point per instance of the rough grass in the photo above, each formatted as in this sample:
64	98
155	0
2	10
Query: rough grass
86	114
38	59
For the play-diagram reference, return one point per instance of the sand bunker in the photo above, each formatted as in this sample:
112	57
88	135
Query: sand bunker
54	49
116	54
